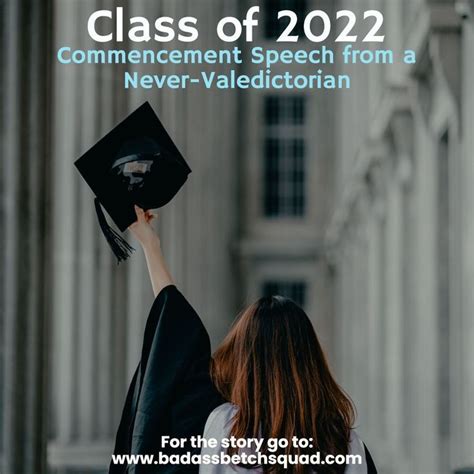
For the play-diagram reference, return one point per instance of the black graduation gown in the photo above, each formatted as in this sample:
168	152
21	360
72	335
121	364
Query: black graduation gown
171	392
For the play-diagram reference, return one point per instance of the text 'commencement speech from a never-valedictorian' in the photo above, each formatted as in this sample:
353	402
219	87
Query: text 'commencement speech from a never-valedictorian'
105	27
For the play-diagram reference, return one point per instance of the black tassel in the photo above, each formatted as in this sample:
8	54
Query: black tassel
118	244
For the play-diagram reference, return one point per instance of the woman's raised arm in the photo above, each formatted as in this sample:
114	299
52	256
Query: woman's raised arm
149	240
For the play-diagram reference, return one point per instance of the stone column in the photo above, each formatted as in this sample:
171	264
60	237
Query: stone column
425	407
393	315
339	337
349	311
64	239
104	267
24	174
355	314
360	324
464	455
436	110
401	134
85	312
374	314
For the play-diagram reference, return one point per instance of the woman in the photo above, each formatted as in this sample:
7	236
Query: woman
270	381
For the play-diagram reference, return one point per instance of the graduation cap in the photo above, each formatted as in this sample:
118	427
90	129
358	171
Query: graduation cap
136	163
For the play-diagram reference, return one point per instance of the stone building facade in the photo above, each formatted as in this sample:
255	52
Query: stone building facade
354	203
400	241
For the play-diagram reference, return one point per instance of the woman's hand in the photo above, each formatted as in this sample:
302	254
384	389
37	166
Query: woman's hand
142	228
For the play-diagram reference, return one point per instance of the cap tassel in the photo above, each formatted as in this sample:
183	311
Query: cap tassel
117	243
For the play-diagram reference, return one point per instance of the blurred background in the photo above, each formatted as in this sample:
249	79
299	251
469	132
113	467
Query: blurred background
358	204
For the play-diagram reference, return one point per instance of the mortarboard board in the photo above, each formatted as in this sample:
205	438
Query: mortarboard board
136	163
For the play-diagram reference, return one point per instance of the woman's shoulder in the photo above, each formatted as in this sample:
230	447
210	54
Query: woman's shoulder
355	438
223	412
225	408
356	445
220	419
358	451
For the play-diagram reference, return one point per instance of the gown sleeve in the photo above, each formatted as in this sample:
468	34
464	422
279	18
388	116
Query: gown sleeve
171	392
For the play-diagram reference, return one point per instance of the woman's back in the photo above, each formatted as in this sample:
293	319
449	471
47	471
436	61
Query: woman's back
219	425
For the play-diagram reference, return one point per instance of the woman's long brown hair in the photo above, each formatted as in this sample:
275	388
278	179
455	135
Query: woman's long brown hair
272	367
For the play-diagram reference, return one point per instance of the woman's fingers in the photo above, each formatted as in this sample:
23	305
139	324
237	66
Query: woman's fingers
140	213
144	216
150	215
